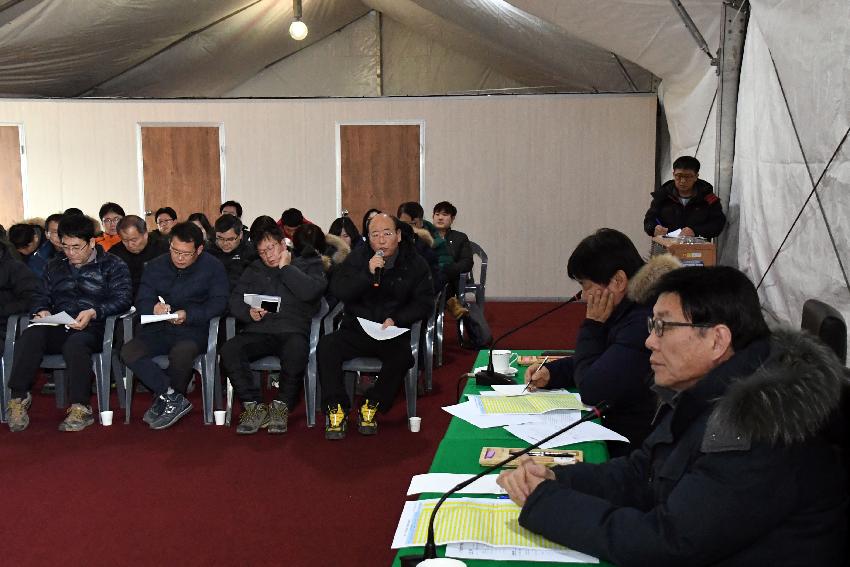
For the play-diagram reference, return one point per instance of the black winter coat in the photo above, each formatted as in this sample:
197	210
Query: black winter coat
103	285
300	286
406	293
735	473
458	245
236	261
703	213
18	284
136	262
201	290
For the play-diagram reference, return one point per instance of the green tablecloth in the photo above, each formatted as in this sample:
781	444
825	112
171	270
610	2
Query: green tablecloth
460	448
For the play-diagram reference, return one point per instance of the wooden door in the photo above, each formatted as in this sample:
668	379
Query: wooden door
379	167
11	181
182	170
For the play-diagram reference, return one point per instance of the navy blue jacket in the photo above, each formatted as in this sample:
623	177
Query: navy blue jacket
103	285
17	286
201	290
611	364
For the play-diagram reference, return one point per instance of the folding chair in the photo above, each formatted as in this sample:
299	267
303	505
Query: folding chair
431	340
272	364
204	363
471	289
6	361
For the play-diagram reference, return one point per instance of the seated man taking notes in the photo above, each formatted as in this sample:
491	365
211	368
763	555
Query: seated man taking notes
386	282
738	469
611	362
299	282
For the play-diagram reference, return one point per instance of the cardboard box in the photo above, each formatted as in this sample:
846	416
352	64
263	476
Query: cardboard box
689	253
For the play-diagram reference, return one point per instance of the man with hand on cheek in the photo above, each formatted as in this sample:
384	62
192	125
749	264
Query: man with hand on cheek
90	286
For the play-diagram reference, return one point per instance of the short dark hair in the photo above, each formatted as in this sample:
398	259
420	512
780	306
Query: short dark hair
110	208
345	223
261	224
72	211
187	231
55	217
205	222
309	235
718	295
445	207
266	231
227	222
234	204
687	162
412	209
598	257
21	235
77	226
365	223
132	221
165	211
292	217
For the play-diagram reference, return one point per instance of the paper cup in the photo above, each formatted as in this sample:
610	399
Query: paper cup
106	418
415	424
219	416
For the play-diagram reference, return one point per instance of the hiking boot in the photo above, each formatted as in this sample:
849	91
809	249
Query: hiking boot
279	417
456	308
176	406
254	416
155	410
366	423
16	414
335	423
79	417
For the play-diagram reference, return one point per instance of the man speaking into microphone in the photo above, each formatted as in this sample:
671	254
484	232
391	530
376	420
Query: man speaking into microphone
387	283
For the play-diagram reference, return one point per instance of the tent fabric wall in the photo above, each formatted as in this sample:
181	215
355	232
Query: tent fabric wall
810	44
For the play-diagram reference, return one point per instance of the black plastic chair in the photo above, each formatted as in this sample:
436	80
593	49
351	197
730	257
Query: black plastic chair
826	323
471	289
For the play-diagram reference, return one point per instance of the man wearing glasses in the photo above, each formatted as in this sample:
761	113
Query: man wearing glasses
388	283
110	215
136	247
685	202
193	286
230	247
89	285
165	218
739	469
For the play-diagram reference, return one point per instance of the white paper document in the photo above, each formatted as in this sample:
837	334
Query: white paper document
60	318
532	433
511	390
674	233
443	482
491	553
470	411
157	318
375	331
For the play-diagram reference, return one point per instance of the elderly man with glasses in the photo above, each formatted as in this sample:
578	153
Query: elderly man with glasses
387	283
89	285
740	468
193	286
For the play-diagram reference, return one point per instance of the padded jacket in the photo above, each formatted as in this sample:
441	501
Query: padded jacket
234	262
17	287
103	285
703	213
736	472
406	293
300	286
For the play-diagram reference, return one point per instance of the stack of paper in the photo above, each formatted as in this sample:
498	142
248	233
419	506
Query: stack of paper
60	318
377	332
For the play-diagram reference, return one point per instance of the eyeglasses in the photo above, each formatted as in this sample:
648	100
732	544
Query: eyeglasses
268	249
684	176
75	249
164	222
111	220
226	240
180	254
657	325
386	234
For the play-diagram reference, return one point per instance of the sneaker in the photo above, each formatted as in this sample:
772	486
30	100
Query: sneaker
156	409
176	406
279	413
16	414
79	417
335	423
366	423
254	417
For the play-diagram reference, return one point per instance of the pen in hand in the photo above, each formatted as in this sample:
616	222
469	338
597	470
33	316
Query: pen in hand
161	300
531	378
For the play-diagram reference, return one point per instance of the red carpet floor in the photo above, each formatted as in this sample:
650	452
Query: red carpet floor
201	495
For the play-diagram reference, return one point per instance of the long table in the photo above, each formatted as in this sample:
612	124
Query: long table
461	446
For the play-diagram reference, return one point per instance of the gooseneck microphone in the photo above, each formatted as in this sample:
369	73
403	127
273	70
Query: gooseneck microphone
376	277
490	377
430	545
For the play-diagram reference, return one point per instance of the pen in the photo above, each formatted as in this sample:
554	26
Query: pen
546	454
531	378
161	300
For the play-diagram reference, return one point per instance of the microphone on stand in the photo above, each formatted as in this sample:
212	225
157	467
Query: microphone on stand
489	376
376	277
430	545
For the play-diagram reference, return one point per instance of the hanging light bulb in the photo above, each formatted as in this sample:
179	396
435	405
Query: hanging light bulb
297	29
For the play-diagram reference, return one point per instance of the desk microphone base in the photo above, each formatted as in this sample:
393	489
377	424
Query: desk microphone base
488	378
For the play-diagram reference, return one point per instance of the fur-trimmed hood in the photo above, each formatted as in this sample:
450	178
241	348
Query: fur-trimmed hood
787	399
336	251
425	236
641	285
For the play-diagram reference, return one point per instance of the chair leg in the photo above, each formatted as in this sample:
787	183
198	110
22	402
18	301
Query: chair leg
118	378
208	393
410	384
4	392
61	389
310	394
102	370
128	394
229	403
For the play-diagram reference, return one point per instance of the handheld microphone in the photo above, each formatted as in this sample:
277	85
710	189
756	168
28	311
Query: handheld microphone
490	377
430	545
376	278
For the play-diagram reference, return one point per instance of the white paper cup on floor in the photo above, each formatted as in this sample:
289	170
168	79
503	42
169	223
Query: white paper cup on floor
219	416
106	418
415	424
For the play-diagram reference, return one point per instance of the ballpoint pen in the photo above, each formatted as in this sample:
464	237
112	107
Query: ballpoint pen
531	378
